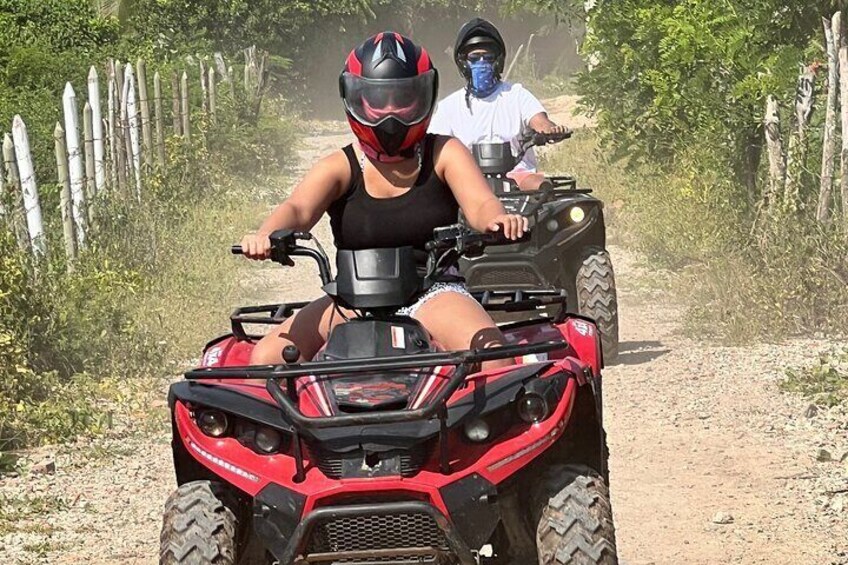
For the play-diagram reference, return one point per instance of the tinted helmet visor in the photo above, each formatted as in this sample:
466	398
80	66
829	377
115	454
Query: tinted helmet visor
372	101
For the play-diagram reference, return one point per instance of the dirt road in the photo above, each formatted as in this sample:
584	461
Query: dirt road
710	462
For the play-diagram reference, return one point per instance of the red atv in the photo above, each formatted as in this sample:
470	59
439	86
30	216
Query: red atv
385	448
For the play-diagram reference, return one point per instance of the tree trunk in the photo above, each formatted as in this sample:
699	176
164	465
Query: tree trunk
777	164
796	161
843	86
832	34
752	156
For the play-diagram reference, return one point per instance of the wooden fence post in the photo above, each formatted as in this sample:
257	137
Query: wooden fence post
3	194
15	213
132	115
159	120
843	87
831	33
213	96
221	65
97	131
88	145
175	104
122	131
514	59
204	92
75	167
29	188
127	140
186	109
232	84
112	125
146	126
65	205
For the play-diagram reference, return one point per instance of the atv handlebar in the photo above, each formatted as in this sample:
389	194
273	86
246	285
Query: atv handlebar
455	237
537	138
461	238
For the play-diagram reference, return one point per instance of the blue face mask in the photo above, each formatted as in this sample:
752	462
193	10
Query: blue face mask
483	80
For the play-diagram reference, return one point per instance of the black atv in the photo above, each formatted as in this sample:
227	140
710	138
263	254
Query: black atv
567	249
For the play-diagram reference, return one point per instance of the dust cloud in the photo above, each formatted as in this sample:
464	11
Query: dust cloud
553	47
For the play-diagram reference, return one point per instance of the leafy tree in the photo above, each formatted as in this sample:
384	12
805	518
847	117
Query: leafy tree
669	76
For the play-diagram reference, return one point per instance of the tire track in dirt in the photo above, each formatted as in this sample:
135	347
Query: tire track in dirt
694	430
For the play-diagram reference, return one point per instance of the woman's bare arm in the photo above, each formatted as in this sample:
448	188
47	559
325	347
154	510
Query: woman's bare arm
480	206
318	189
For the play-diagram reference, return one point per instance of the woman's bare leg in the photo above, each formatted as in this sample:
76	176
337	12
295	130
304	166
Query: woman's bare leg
307	329
459	322
527	180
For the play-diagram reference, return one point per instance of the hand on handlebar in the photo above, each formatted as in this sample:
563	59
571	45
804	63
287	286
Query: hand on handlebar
556	131
256	246
512	226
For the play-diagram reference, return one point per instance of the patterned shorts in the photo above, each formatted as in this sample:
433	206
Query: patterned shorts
435	290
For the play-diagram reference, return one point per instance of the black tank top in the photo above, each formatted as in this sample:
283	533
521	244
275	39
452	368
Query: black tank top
360	221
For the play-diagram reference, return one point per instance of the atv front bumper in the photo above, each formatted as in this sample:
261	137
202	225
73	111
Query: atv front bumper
401	533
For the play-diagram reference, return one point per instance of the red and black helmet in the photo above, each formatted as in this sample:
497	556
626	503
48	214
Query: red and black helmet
389	87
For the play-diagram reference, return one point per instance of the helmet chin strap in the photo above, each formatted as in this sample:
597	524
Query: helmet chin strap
385	158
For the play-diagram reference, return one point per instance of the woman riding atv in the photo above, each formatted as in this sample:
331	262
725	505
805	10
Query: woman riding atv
391	188
490	109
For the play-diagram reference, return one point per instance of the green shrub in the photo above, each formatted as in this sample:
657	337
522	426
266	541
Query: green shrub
824	382
783	278
153	285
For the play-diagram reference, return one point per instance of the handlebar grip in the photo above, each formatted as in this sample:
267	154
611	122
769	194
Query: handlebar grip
545	138
236	250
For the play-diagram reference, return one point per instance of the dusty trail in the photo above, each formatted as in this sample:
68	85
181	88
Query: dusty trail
694	430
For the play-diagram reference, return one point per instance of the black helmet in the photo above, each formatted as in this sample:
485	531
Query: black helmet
389	87
478	34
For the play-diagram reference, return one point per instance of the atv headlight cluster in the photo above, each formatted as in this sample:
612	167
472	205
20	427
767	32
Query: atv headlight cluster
576	214
532	408
213	423
572	216
483	429
267	440
477	430
539	399
261	439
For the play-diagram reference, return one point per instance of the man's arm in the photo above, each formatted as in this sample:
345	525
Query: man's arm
543	124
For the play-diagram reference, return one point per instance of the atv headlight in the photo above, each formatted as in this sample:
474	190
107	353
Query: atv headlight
213	423
532	408
576	214
477	430
267	440
540	398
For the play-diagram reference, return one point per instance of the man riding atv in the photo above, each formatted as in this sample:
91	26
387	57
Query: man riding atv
490	109
501	122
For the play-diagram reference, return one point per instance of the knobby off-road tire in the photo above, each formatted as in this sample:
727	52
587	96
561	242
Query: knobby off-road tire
596	298
575	527
198	528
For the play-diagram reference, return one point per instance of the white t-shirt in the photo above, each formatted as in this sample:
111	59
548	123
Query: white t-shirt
503	116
